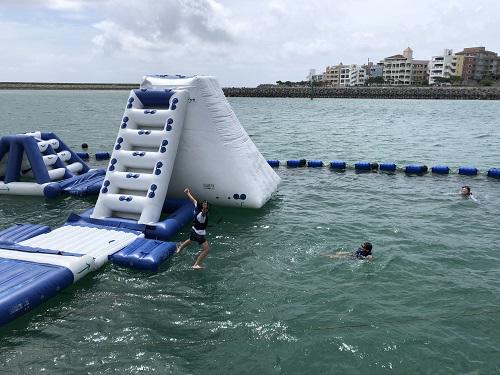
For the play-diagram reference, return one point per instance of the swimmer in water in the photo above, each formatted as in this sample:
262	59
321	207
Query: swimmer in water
467	193
364	252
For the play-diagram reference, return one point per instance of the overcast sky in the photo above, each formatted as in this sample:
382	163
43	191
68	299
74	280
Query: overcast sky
241	42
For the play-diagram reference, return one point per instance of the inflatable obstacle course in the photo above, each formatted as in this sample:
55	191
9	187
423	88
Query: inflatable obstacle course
175	132
41	164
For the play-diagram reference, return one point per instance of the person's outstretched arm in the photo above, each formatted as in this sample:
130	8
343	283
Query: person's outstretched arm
187	191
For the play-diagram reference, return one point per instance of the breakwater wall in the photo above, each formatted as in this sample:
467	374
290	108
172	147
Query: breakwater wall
66	86
384	92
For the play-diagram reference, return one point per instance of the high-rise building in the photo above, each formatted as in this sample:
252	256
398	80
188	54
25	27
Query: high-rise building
404	70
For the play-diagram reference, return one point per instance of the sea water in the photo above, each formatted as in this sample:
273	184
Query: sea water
271	300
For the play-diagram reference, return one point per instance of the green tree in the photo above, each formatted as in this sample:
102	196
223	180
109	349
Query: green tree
374	81
488	80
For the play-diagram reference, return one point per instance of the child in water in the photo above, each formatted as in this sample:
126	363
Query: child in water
467	193
364	252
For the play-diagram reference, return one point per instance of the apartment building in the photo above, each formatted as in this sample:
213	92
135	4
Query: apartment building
404	70
344	75
332	75
477	63
357	75
442	66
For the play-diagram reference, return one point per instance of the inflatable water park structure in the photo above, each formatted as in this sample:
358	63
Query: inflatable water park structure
176	132
41	164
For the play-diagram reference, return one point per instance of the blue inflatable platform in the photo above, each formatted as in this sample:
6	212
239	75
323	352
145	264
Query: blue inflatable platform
36	262
25	285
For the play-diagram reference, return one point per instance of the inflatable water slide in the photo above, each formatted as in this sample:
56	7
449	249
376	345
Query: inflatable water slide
41	164
176	132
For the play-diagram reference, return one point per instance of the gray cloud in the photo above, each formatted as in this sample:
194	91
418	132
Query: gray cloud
151	26
243	42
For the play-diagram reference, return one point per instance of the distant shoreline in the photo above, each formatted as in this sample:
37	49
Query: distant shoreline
66	86
382	92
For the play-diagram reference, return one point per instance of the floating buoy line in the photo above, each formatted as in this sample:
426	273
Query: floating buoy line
363	166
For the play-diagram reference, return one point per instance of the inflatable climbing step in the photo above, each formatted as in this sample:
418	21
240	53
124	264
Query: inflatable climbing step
138	175
87	184
144	254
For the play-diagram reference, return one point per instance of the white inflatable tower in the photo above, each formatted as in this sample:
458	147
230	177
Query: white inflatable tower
180	132
216	157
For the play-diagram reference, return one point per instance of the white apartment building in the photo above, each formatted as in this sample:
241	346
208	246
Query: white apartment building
404	70
357	75
344	75
443	66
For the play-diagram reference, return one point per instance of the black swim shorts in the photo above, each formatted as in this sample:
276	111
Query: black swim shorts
198	238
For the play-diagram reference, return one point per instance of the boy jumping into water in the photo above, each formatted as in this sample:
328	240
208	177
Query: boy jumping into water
198	230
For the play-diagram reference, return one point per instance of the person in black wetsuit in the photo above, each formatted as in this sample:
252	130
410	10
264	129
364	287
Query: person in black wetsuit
364	252
198	230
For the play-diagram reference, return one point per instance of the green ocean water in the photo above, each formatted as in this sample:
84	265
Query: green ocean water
270	300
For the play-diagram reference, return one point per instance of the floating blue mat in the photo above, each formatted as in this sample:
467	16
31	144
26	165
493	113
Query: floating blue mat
25	285
21	232
144	254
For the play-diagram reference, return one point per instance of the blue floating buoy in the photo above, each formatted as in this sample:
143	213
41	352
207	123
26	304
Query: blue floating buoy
83	155
275	163
388	167
467	171
416	169
440	169
494	172
102	155
314	163
362	166
294	163
337	164
85	146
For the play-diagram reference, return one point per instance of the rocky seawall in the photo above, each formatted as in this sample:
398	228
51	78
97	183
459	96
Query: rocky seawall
393	92
66	86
